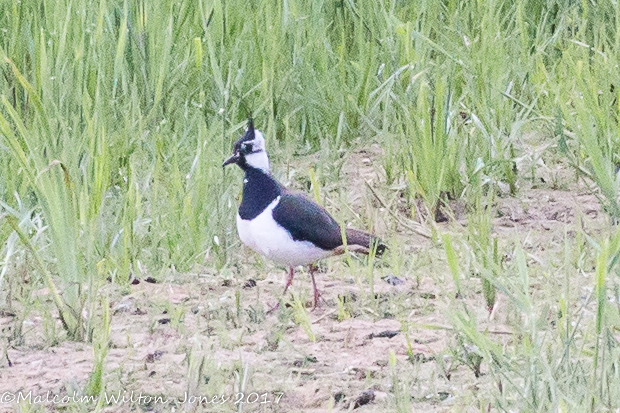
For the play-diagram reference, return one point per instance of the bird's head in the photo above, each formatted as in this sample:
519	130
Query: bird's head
249	150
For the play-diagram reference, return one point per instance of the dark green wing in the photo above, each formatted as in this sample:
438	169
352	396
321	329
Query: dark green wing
307	221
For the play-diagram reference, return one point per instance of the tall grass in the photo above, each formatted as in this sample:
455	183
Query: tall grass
114	121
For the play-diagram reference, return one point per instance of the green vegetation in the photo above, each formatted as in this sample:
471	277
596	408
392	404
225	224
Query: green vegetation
115	118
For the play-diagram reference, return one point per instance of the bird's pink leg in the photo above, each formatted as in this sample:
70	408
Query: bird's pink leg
289	281
317	295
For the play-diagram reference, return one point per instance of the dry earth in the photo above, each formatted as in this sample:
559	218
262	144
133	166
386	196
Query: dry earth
207	333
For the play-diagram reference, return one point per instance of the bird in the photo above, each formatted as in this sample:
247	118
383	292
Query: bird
287	227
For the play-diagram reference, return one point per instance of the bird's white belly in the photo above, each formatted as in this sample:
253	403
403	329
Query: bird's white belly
265	236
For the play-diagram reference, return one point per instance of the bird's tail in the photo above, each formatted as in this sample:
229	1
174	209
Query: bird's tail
360	241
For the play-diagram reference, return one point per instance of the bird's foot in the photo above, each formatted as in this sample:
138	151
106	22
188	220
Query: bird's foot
273	309
318	298
317	294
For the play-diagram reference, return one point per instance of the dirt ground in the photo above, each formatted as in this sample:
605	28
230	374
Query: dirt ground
207	334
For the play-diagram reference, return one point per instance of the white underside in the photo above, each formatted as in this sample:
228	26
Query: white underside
265	236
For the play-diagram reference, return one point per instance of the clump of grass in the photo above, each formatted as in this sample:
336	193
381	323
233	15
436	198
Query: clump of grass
96	385
590	116
452	262
301	317
343	312
402	399
486	262
432	159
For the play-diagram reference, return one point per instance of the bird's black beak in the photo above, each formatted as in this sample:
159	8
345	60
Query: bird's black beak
232	159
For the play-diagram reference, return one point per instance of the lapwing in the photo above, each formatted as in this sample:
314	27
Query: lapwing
286	227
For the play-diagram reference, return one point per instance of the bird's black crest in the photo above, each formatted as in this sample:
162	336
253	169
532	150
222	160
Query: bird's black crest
247	136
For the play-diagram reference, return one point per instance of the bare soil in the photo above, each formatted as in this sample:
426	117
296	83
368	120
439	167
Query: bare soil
208	334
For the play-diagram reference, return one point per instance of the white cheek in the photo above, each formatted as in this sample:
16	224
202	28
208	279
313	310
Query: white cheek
258	160
259	139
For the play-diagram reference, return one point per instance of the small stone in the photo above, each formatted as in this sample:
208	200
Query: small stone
385	334
392	280
249	284
367	397
156	355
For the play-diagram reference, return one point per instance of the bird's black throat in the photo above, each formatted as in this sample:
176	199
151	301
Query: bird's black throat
259	190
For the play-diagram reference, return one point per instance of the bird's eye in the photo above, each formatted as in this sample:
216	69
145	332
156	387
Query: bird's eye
246	148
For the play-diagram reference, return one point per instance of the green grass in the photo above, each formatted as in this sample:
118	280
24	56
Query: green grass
115	118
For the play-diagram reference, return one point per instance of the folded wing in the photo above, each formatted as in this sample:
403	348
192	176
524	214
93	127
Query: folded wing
308	221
